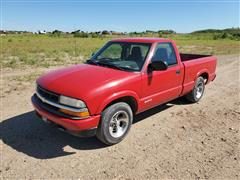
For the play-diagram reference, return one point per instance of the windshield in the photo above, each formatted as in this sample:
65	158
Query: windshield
122	55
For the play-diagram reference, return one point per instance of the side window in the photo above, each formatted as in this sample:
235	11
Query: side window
165	52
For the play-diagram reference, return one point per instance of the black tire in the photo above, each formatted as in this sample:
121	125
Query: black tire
119	110
194	95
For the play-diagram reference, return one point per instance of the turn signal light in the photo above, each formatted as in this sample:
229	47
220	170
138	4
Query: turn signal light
78	114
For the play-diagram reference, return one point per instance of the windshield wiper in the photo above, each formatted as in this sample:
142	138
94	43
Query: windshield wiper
111	66
101	63
90	61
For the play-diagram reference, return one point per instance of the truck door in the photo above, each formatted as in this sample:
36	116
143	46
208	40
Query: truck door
162	86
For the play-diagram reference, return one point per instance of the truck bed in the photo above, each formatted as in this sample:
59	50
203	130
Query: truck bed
189	57
195	65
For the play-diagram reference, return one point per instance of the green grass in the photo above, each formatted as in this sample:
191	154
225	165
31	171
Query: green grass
19	51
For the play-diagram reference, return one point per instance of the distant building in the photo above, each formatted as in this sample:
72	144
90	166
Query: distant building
116	33
3	33
42	32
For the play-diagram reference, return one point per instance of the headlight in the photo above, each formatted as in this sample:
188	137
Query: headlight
72	102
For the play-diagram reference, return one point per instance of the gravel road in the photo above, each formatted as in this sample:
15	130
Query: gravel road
176	140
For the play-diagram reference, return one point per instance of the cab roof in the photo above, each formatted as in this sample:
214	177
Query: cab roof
142	40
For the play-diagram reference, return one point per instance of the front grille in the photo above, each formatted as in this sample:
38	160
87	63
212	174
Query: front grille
50	96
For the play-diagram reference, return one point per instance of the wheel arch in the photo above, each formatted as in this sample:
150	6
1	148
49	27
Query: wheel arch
128	97
204	74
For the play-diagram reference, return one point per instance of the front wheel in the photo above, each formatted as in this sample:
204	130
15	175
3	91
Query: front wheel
196	94
115	123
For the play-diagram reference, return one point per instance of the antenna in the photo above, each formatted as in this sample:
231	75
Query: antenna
75	42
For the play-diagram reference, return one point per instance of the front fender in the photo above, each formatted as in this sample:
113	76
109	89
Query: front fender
116	96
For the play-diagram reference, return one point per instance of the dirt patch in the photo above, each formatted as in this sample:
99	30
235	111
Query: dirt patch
176	140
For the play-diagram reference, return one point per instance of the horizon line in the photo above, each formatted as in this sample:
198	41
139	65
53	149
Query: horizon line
121	31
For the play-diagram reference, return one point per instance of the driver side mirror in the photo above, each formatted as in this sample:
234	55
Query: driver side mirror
157	66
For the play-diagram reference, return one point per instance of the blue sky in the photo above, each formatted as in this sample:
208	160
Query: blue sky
127	15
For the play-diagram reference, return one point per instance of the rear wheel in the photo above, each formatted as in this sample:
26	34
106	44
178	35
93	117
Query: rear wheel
115	123
196	94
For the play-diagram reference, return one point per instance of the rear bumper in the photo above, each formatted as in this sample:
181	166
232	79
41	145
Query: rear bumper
83	127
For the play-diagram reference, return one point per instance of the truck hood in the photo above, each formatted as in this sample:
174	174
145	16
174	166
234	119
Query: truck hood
80	81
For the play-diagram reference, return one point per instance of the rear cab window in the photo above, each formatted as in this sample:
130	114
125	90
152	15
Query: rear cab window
165	52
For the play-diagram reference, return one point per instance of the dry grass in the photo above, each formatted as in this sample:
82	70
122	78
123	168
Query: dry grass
21	51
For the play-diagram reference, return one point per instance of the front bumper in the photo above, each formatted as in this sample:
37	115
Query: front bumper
83	127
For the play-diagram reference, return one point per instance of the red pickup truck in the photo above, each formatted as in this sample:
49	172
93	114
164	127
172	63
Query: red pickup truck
125	77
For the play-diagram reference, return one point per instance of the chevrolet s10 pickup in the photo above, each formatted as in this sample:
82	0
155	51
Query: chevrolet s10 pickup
125	77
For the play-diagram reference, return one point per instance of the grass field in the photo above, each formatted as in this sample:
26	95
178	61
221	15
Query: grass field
19	51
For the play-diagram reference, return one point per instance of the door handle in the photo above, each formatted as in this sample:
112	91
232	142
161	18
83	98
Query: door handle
178	71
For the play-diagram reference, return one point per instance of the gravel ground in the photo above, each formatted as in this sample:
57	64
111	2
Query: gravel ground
176	140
